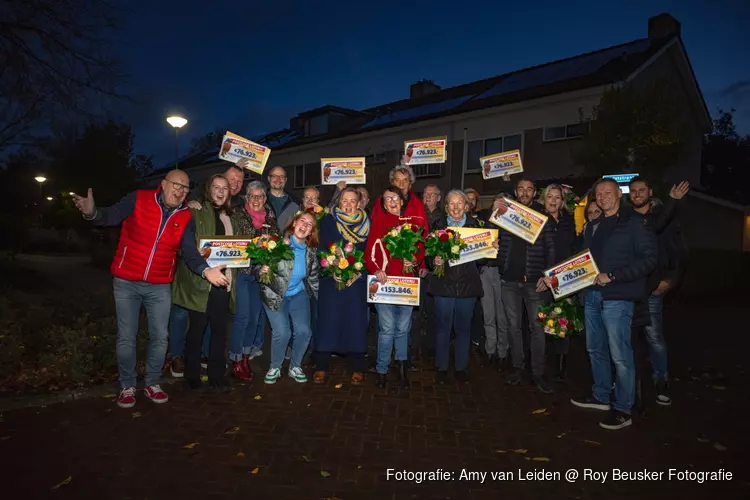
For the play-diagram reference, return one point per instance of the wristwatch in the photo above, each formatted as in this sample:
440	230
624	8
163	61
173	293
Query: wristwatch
611	276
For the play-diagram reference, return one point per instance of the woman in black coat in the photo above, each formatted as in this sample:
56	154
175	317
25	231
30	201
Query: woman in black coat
455	294
563	229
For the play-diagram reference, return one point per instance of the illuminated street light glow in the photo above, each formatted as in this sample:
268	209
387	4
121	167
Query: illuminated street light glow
176	121
40	179
49	198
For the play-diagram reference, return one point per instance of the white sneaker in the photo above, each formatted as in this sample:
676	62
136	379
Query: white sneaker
255	353
297	374
272	376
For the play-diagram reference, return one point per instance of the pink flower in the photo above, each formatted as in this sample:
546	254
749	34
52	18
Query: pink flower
324	263
563	322
348	248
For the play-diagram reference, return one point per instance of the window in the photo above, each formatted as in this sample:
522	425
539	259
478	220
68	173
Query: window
484	147
428	170
319	124
312	174
562	132
378	158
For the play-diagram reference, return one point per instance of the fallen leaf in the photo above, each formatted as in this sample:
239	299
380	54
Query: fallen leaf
232	431
526	458
339	386
718	387
359	467
204	378
255	470
501	451
720	447
540	410
65	481
540	459
702	440
561	435
520	450
109	396
240	454
591	442
305	458
136	414
325	473
257	397
190	446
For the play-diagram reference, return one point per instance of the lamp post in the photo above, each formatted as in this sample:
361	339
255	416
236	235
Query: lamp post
41	180
177	122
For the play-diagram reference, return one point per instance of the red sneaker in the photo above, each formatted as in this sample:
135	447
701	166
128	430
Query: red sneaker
127	398
241	370
155	394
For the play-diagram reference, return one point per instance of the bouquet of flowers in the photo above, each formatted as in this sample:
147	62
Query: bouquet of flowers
343	262
560	318
401	242
570	198
446	244
269	250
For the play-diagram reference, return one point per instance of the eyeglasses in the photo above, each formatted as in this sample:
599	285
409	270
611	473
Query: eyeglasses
389	199
313	199
256	197
179	187
430	195
277	176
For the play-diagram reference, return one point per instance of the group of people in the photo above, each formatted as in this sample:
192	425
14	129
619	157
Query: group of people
157	265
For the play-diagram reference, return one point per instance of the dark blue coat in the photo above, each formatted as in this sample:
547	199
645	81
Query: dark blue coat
343	315
629	252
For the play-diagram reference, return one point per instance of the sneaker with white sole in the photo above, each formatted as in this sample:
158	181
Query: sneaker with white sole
661	393
272	376
126	398
156	394
591	403
297	374
255	353
616	420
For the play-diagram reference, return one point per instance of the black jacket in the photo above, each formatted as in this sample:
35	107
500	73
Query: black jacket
539	256
672	259
458	281
630	253
564	236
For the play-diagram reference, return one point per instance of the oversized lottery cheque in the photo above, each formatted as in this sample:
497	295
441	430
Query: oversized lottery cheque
520	220
500	164
399	290
229	251
430	150
572	275
235	148
478	244
351	170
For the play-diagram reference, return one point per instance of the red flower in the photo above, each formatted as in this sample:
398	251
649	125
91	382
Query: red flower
450	231
444	237
351	260
275	237
416	229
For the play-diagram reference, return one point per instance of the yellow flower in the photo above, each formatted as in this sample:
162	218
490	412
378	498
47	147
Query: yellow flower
271	245
550	322
455	249
343	264
331	259
558	310
407	226
394	233
357	266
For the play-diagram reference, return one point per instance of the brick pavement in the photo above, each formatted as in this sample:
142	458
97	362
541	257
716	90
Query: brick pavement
294	434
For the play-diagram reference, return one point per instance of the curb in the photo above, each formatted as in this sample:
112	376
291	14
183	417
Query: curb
42	400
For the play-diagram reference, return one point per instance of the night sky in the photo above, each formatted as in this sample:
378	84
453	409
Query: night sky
250	69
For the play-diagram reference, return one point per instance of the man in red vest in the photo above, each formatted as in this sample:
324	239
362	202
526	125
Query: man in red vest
155	225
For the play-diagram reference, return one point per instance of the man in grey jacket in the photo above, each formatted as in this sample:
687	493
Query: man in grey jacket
284	204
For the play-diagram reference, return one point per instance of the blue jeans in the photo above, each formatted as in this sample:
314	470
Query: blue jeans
655	339
394	326
456	313
245	324
608	340
156	299
294	311
178	325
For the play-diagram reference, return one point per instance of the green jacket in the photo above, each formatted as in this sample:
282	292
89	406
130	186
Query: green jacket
188	289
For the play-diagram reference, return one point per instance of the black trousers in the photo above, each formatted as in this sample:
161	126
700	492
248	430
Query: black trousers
217	312
323	361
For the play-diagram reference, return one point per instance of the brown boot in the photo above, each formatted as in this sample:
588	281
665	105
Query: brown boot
319	377
357	378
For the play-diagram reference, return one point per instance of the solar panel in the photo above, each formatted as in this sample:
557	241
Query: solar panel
427	109
283	139
564	70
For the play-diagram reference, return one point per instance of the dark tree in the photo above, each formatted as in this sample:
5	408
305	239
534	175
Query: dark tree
143	165
55	63
726	160
207	142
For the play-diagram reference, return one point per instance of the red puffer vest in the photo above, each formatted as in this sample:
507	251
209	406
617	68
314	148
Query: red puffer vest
145	253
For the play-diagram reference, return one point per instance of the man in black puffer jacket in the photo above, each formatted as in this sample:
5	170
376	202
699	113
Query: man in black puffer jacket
670	266
625	250
521	265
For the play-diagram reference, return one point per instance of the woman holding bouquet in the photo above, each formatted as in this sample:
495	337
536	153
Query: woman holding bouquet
249	323
563	229
455	294
343	315
394	321
207	303
286	299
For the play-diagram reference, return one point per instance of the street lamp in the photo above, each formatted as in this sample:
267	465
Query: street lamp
41	180
177	122
49	198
